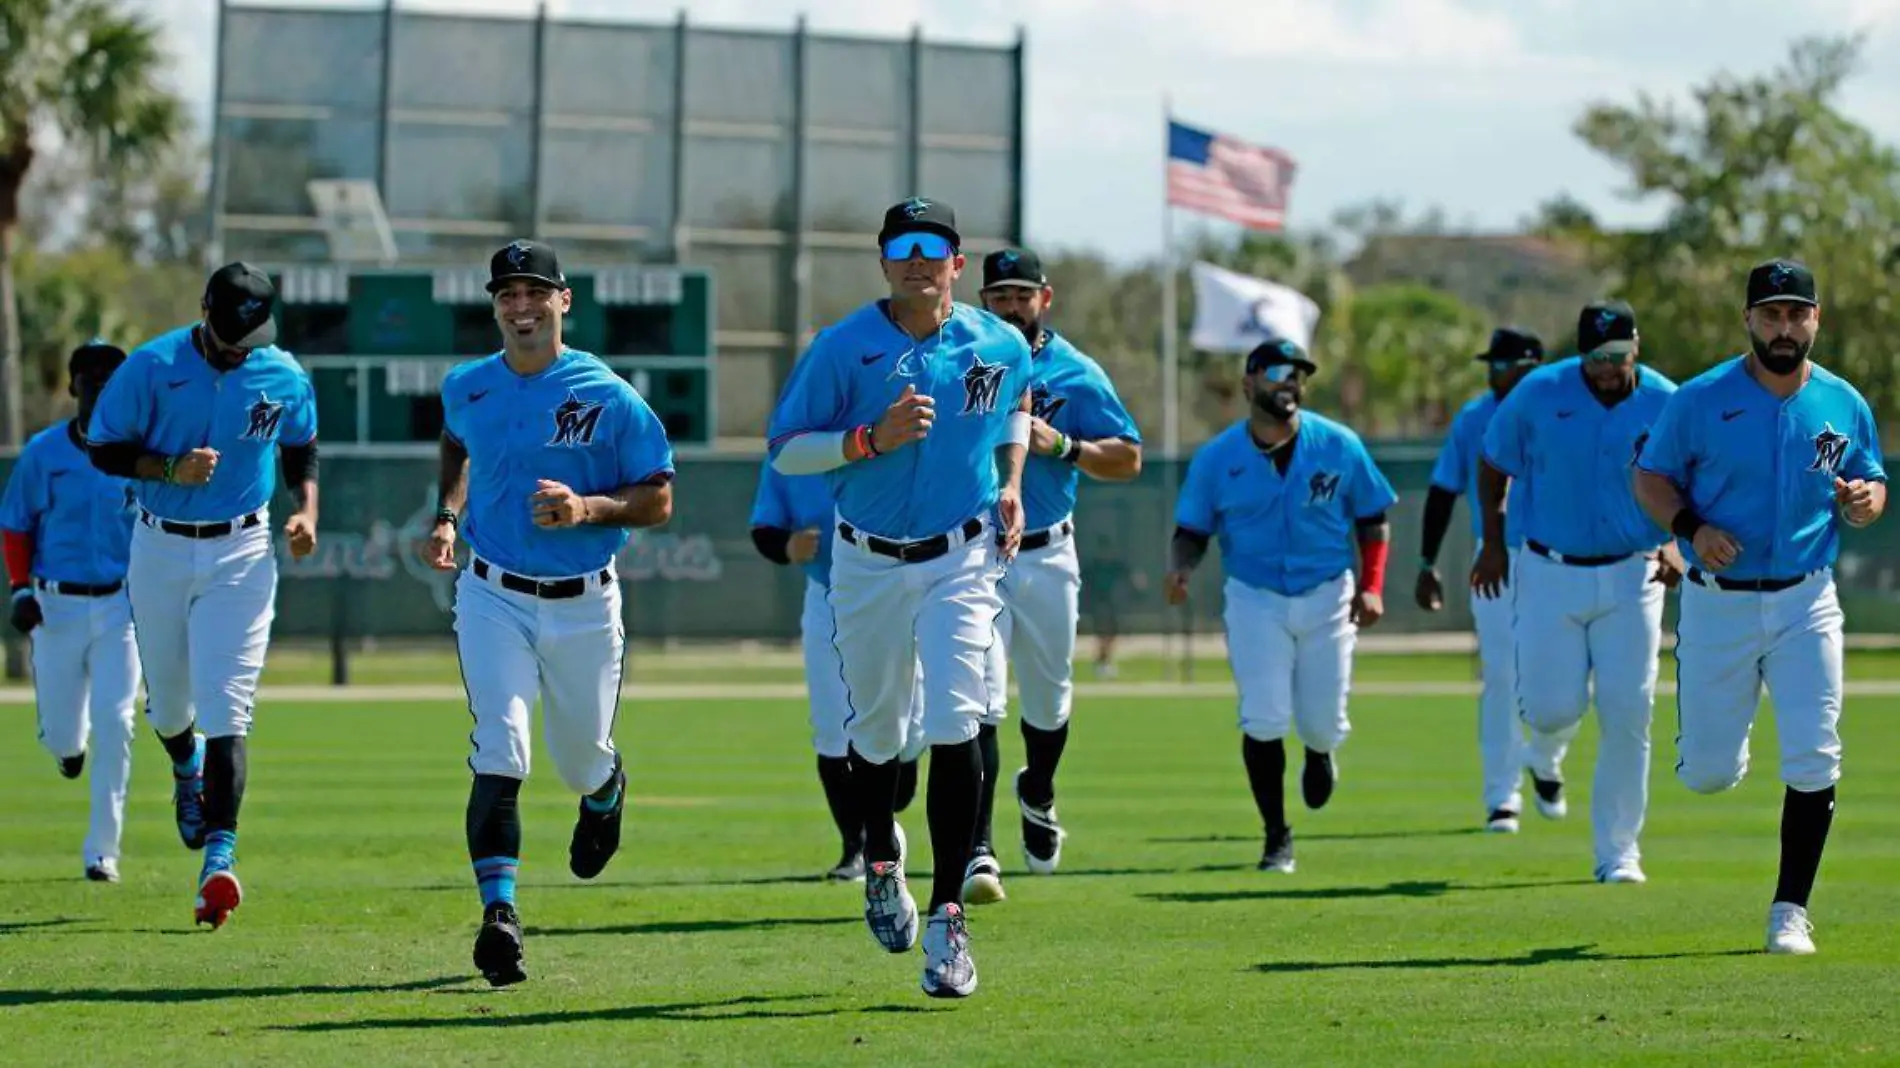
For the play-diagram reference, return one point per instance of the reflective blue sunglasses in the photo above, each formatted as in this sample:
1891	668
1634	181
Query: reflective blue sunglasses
1280	372
920	243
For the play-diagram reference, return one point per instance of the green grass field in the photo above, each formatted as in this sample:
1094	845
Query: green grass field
1406	936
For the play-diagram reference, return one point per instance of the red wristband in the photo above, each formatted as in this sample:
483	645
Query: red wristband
1375	553
867	440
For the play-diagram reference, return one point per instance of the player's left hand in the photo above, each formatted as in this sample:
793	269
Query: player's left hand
300	530
26	612
555	505
1009	510
1367	608
803	546
1856	500
1670	566
1042	437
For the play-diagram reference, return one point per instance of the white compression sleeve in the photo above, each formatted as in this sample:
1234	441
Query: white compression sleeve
1019	428
811	453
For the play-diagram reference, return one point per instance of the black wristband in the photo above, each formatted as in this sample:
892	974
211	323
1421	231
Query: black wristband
447	515
1686	524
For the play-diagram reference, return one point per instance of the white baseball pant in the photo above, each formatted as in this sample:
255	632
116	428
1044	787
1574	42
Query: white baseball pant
824	683
894	619
515	646
1292	660
1728	644
85	676
1580	629
1504	750
1041	591
204	608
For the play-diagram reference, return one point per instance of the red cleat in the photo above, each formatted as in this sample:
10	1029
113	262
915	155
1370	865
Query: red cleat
218	897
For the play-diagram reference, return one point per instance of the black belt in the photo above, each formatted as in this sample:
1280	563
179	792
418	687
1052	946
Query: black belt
1703	578
82	589
550	589
1041	538
1546	551
910	552
200	530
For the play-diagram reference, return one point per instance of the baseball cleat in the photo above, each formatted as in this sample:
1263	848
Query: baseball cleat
849	869
103	870
70	767
1278	855
597	834
982	879
1042	832
1789	930
188	802
498	946
218	897
1501	821
1623	871
888	908
948	970
1550	798
1318	779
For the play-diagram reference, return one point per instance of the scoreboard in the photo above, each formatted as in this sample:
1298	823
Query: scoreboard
378	341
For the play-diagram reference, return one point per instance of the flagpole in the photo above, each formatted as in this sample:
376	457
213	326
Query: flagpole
1170	362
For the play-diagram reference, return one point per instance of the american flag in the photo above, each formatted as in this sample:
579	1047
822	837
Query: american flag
1219	175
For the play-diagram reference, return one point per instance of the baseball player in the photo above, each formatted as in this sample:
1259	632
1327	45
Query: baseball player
1590	579
548	459
1512	355
917	407
1753	466
196	417
1290	494
1077	424
790	517
68	530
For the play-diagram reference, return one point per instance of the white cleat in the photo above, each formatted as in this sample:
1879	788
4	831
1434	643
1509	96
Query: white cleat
1042	833
948	970
983	880
888	908
1623	871
1501	821
1550	799
1789	930
103	870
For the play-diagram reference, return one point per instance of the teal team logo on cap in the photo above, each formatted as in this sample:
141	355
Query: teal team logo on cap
1006	261
1605	319
517	255
915	206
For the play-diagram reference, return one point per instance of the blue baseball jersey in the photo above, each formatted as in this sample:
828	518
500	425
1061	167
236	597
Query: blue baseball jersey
795	503
575	422
79	517
1763	468
976	369
1071	393
1457	469
169	399
1578	457
1284	533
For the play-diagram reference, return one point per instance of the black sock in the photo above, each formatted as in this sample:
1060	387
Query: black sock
225	767
990	757
835	774
1266	772
956	780
494	817
906	785
876	789
180	746
1805	819
1044	752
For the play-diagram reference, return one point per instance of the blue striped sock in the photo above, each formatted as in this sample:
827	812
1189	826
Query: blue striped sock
220	851
495	876
196	765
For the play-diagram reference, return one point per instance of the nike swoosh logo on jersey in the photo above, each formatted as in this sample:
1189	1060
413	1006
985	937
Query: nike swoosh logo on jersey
1235	472
1727	416
180	382
477	395
871	359
1565	414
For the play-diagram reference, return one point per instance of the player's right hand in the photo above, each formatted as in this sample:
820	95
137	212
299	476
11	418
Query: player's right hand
1492	571
1715	547
196	467
438	549
908	419
1175	587
26	612
1429	592
803	546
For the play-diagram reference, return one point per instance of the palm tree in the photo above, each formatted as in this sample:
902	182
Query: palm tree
82	71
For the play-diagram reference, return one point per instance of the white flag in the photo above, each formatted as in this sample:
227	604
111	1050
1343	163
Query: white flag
1235	312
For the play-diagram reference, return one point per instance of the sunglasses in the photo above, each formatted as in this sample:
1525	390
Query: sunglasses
1498	367
928	245
1281	372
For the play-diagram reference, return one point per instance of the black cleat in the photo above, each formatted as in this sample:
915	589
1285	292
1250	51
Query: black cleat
597	834
1278	855
70	767
1501	821
498	946
1550	798
1042	831
1316	781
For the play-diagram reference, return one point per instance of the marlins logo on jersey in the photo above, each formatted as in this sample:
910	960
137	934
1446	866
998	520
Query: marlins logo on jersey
265	416
981	385
1322	488
1830	448
1044	405
575	422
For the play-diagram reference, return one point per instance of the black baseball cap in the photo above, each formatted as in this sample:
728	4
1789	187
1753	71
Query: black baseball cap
1277	351
95	355
1781	280
1511	345
238	301
1607	327
525	259
1013	267
920	214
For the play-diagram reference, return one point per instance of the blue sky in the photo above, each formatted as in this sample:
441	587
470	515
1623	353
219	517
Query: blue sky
1461	104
